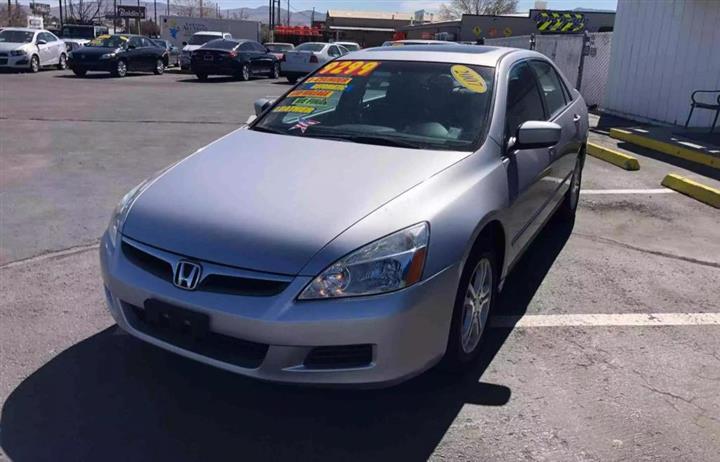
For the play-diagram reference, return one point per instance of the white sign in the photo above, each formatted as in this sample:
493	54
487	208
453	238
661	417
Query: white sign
35	22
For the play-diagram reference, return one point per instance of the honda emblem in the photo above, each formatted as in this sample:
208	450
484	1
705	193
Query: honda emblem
187	275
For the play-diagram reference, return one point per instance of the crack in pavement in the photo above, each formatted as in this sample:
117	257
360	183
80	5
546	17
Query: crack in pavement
658	253
51	254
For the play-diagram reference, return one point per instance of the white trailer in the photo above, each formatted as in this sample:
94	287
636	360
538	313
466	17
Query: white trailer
179	29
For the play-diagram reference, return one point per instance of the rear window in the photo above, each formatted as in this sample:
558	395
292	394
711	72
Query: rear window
350	46
200	39
221	44
279	47
311	47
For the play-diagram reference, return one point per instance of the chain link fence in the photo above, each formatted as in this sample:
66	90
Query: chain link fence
566	52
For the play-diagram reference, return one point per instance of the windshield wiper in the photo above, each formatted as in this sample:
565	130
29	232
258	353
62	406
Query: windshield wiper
269	130
365	139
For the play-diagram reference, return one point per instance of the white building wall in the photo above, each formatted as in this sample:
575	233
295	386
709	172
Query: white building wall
662	50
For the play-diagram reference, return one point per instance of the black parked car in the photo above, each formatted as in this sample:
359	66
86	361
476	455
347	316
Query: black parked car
118	54
239	58
173	52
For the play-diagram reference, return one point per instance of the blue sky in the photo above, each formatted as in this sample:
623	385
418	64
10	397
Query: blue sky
409	5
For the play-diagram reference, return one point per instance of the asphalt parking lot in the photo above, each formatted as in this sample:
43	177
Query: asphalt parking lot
567	373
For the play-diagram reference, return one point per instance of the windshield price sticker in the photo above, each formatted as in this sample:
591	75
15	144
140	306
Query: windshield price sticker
468	78
353	68
298	109
313	102
333	80
329	86
310	94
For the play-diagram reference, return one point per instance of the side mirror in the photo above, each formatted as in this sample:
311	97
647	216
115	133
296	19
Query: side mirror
536	134
184	44
41	42
262	104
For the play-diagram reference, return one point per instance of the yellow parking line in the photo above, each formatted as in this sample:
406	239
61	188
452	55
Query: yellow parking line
666	148
613	156
698	191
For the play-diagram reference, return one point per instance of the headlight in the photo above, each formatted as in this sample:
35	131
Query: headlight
108	55
391	263
121	211
18	53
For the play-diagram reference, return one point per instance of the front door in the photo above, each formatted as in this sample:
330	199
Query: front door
531	185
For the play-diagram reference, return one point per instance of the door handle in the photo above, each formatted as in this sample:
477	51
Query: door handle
576	118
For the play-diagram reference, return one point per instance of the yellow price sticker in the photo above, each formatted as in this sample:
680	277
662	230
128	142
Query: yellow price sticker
468	78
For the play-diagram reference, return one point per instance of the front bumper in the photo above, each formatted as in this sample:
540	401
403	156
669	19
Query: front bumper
15	62
407	329
102	65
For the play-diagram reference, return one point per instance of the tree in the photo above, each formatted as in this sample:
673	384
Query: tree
18	15
242	14
457	8
192	8
85	12
149	29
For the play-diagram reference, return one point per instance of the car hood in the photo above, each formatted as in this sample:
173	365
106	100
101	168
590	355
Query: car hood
270	202
95	51
9	46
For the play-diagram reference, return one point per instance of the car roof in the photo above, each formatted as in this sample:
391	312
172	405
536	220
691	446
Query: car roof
278	43
211	32
24	29
460	54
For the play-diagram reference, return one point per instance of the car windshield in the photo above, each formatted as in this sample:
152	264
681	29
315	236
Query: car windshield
408	104
221	44
278	46
310	47
201	39
16	36
82	32
108	41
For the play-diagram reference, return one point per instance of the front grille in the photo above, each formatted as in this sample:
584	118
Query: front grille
3	54
242	286
339	357
149	263
220	347
218	283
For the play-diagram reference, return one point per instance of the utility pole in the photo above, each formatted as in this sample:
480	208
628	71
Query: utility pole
61	16
312	18
288	6
201	8
279	12
114	16
10	13
155	10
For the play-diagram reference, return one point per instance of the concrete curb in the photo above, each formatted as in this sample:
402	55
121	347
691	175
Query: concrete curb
613	156
698	191
666	148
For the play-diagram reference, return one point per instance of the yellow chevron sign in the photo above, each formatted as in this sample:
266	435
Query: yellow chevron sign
559	21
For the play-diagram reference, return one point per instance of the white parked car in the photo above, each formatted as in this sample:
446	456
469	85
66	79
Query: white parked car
30	49
307	57
197	40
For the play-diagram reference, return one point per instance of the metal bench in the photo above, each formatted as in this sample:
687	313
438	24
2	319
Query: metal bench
710	106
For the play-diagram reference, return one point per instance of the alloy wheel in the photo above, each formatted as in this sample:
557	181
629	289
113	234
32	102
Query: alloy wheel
245	72
159	67
121	68
276	71
476	306
34	64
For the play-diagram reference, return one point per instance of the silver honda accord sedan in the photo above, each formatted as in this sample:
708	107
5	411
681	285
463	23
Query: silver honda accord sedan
359	229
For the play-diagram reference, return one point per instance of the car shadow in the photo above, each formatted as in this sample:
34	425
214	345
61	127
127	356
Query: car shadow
101	76
111	397
218	79
700	169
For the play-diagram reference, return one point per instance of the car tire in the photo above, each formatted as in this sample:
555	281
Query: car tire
568	207
120	69
62	62
275	72
292	80
159	67
202	77
244	73
79	73
34	64
471	314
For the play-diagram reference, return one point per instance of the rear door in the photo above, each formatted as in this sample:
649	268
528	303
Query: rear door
529	175
44	49
333	52
134	54
560	110
56	47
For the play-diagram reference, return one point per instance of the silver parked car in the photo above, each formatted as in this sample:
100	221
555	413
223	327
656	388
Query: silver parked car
359	230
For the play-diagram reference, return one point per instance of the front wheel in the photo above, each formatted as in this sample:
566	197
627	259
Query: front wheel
79	73
275	72
62	62
120	69
159	67
34	64
474	302
293	80
201	76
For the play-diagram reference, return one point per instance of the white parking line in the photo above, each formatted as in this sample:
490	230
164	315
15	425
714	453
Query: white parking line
627	191
599	320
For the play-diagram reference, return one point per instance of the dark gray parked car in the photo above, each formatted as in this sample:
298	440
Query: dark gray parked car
359	230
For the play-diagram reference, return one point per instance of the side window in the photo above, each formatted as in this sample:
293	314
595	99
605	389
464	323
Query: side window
333	51
259	47
48	37
145	42
551	86
44	36
134	42
523	102
246	47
